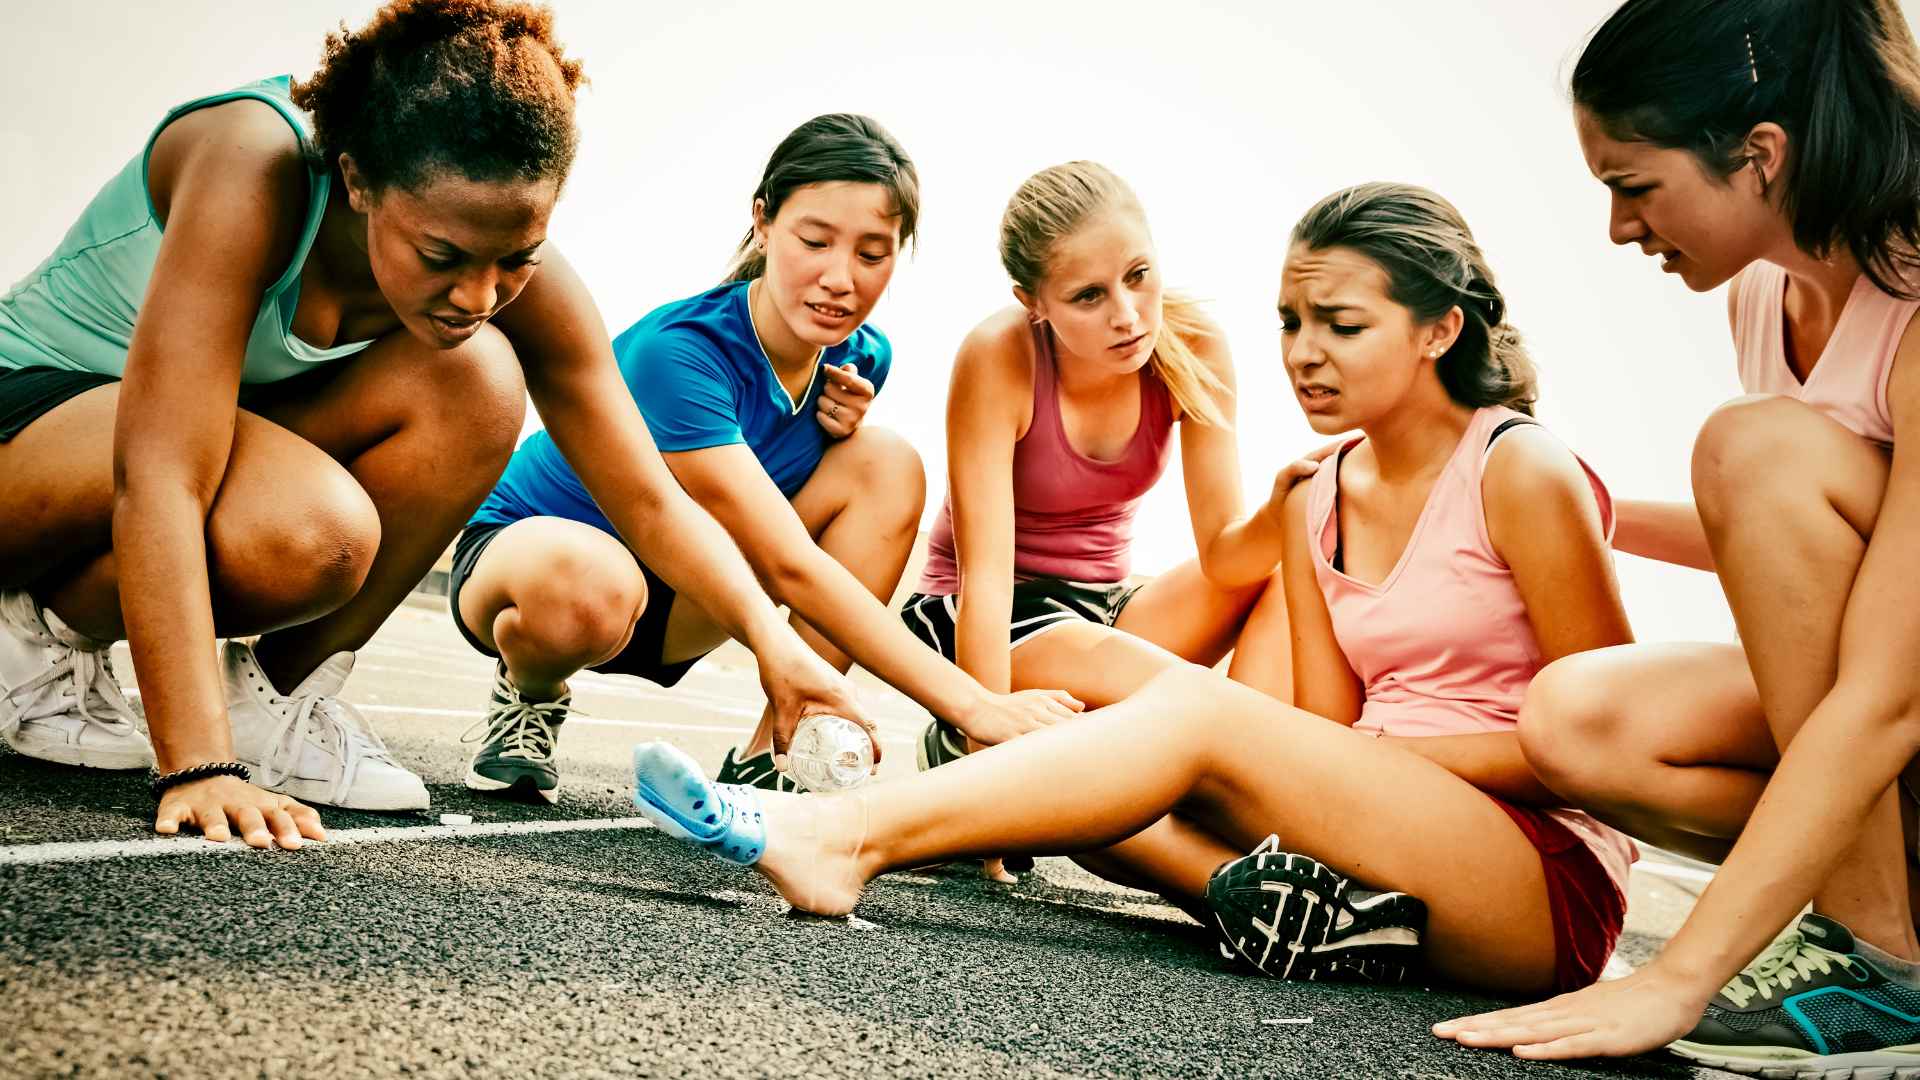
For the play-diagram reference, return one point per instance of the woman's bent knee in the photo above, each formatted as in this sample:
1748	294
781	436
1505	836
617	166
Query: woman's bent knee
575	609
1567	726
288	564
888	467
476	397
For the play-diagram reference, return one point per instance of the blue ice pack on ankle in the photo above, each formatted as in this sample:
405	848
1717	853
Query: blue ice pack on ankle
672	791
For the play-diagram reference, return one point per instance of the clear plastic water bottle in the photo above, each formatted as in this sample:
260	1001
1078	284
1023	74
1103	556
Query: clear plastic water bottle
829	753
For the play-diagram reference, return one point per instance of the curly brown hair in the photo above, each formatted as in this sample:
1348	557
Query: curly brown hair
479	87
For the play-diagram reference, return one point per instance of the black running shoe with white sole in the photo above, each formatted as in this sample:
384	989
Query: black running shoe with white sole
1294	917
756	771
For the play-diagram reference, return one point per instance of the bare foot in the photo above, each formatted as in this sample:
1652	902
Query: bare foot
814	849
996	870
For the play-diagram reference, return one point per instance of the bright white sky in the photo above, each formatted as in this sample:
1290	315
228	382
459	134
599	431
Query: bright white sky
1228	118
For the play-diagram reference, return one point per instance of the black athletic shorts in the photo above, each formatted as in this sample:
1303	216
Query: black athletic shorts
641	656
29	393
1038	606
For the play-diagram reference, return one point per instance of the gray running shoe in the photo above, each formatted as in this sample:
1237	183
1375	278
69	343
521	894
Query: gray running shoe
1811	1006
515	758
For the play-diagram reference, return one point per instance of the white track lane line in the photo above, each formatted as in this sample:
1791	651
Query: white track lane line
597	721
98	850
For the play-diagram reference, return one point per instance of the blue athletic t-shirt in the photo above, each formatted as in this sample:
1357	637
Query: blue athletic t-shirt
701	379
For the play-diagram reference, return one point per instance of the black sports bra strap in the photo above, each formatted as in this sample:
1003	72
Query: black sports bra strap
1510	422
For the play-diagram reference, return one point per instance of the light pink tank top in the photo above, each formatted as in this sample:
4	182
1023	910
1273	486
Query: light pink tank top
1443	646
1849	380
1072	515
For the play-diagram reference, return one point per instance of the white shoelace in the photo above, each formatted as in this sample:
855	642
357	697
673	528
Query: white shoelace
1792	958
521	728
339	726
83	677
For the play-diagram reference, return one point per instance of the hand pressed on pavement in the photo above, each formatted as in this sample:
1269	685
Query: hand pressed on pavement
220	806
1642	1012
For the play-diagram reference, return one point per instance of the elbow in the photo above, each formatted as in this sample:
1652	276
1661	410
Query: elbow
788	580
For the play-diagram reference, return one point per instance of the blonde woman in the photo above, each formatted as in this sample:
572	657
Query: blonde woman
1061	415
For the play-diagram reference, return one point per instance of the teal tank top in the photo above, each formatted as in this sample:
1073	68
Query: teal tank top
77	309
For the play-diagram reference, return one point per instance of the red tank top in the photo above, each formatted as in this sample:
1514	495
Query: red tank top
1072	515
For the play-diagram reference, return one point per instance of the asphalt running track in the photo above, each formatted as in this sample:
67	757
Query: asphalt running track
574	941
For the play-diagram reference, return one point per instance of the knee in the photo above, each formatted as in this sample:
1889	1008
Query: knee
302	561
888	469
1567	727
475	398
577	611
1745	448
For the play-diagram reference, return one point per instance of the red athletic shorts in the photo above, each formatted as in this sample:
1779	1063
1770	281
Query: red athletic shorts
1586	906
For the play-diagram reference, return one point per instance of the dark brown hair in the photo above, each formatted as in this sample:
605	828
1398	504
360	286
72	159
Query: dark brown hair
479	87
1433	265
827	149
1841	77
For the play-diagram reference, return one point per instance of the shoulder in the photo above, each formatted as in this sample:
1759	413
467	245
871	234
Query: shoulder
869	350
1204	336
668	346
998	351
1530	470
237	146
231	183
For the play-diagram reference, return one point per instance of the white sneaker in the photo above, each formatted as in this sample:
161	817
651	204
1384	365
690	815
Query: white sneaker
309	744
59	698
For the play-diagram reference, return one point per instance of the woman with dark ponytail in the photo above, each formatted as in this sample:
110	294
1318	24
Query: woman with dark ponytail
756	390
1773	146
259	385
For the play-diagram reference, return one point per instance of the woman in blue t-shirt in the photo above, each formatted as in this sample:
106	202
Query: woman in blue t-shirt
755	391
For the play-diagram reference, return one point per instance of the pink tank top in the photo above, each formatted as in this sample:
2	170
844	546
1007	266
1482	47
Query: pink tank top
1072	515
1443	646
1849	380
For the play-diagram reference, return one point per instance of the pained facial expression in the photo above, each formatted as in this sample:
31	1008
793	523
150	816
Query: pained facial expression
450	252
1352	353
1703	228
830	253
1102	293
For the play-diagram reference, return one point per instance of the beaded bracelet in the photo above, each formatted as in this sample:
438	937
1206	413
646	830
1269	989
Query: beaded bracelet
200	772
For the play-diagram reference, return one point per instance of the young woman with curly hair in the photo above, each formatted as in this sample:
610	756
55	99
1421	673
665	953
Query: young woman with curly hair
261	383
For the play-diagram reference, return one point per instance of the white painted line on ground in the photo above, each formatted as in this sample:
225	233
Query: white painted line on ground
1670	870
599	721
97	850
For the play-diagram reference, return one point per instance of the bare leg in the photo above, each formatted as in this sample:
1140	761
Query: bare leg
1210	748
1663	742
426	434
294	539
1789	498
1189	616
552	596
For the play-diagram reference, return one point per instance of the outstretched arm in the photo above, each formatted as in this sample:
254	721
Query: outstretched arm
730	483
990	393
562	344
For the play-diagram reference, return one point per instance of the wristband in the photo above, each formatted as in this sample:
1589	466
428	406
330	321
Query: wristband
199	772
